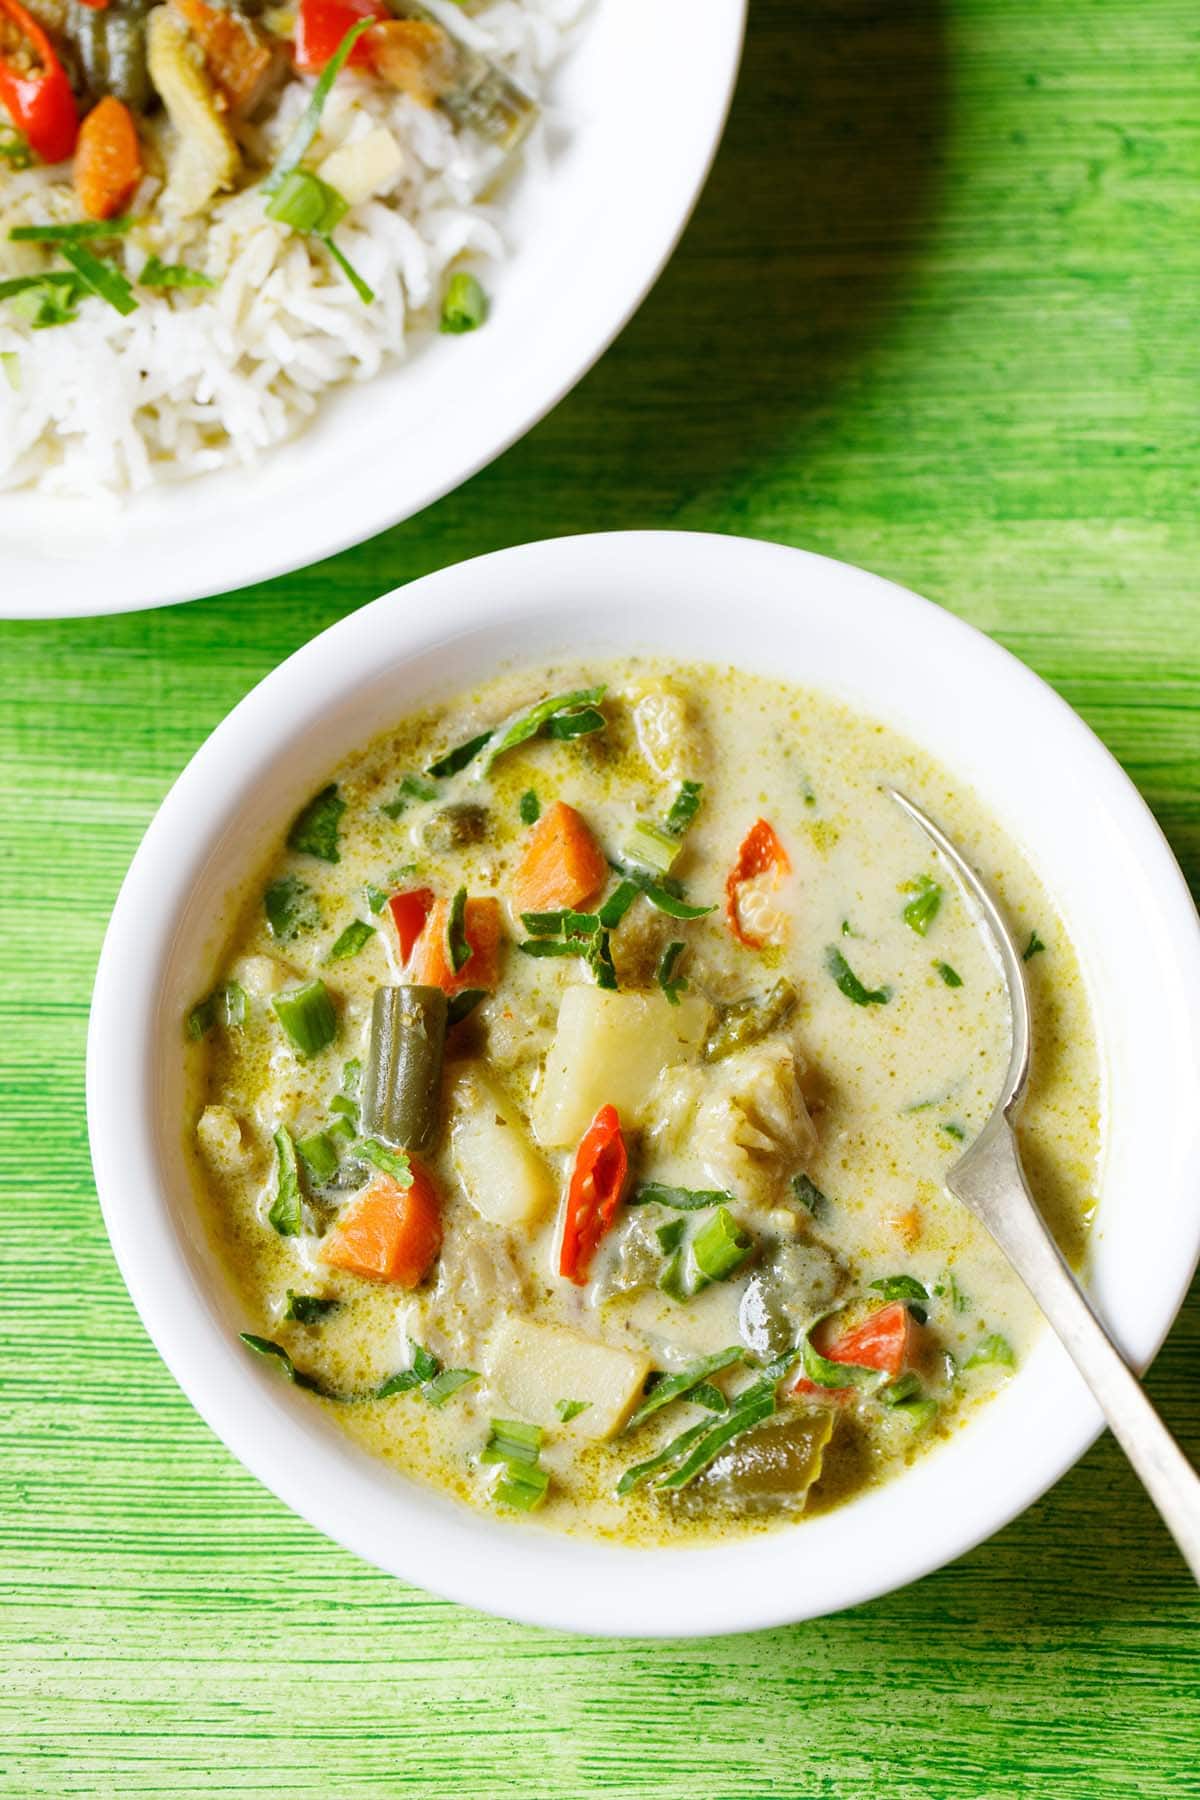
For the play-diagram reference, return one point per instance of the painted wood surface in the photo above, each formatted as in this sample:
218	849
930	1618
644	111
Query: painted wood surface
936	315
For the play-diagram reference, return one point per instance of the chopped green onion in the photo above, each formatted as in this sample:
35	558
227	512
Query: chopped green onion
458	948
993	1349
314	830
377	898
410	789
286	1213
389	1161
156	274
1032	947
19	284
459	757
618	904
444	1386
291	908
950	976
522	1488
525	725
583	723
424	1367
71	234
849	983
565	924
352	1075
306	1014
351	941
684	807
513	1441
463	1004
306	128
318	1154
531	808
906	1288
464	305
656	1193
917	1413
570	1409
101	278
905	1387
365	292
676	1387
548	947
670	1235
306	203
666	969
44	301
308	1309
652	848
954	1131
923	908
720	1246
201	1019
810	1195
822	1371
235	1002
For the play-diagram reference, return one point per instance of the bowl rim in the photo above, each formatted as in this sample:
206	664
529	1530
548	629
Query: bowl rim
462	611
77	558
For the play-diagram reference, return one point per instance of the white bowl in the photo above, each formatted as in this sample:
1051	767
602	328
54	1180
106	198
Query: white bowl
1047	780
591	237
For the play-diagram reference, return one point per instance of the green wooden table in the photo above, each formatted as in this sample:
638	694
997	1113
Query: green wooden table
936	315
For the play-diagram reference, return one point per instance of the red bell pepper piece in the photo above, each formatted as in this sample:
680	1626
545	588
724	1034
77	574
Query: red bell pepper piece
886	1340
761	854
409	913
34	86
322	24
594	1193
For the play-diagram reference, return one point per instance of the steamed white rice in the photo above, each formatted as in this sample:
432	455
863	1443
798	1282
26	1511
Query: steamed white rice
199	380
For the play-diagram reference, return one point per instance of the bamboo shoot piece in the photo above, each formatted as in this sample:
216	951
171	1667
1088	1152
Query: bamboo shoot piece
474	91
609	1049
542	1370
505	1179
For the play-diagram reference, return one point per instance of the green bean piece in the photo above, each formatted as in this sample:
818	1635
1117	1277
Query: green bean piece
403	1075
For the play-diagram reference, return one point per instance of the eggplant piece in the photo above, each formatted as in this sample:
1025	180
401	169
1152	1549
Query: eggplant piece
454	827
795	1283
205	157
402	1079
767	1469
473	90
748	1021
110	49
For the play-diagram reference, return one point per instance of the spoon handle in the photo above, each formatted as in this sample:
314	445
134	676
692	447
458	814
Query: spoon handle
991	1182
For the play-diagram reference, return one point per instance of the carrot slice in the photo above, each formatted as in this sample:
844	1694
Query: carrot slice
236	54
563	865
888	1340
431	965
391	1234
761	854
108	160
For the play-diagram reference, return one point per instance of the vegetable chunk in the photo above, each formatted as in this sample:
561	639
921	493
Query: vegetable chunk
610	1048
563	865
888	1340
108	160
535	1366
391	1233
505	1179
431	964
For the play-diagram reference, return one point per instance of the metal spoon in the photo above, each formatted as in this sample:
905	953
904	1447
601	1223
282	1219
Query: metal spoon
990	1182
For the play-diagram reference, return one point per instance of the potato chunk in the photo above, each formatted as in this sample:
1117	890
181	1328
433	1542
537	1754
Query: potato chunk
534	1366
505	1179
223	1142
609	1049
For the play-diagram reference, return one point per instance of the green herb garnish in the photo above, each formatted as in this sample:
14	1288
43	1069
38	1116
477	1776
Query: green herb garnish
527	724
377	897
448	1383
463	1004
388	1160
720	1246
286	1213
671	1235
1032	947
822	1371
922	909
411	788
78	232
308	1309
655	1193
531	808
906	1288
458	947
351	941
651	848
674	908
684	807
458	758
583	723
950	976
309	122
671	985
315	829
276	1353
618	904
810	1195
291	908
993	1349
156	274
680	1386
570	1409
850	985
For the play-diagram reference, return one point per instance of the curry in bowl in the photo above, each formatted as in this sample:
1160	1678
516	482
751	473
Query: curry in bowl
572	1104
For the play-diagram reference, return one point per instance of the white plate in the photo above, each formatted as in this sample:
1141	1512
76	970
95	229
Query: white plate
643	103
1049	783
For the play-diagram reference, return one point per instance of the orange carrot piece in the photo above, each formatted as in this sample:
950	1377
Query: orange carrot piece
563	865
237	56
108	160
430	965
391	1234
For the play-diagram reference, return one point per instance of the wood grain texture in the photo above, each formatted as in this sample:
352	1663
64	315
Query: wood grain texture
935	315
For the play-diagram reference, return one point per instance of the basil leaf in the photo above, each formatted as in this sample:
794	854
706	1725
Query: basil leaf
810	1195
676	1387
527	724
684	807
570	1409
316	827
286	1212
291	908
453	760
1032	948
822	1371
351	941
309	1309
925	904
666	968
656	1193
950	976
458	948
849	983
450	1382
391	1162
